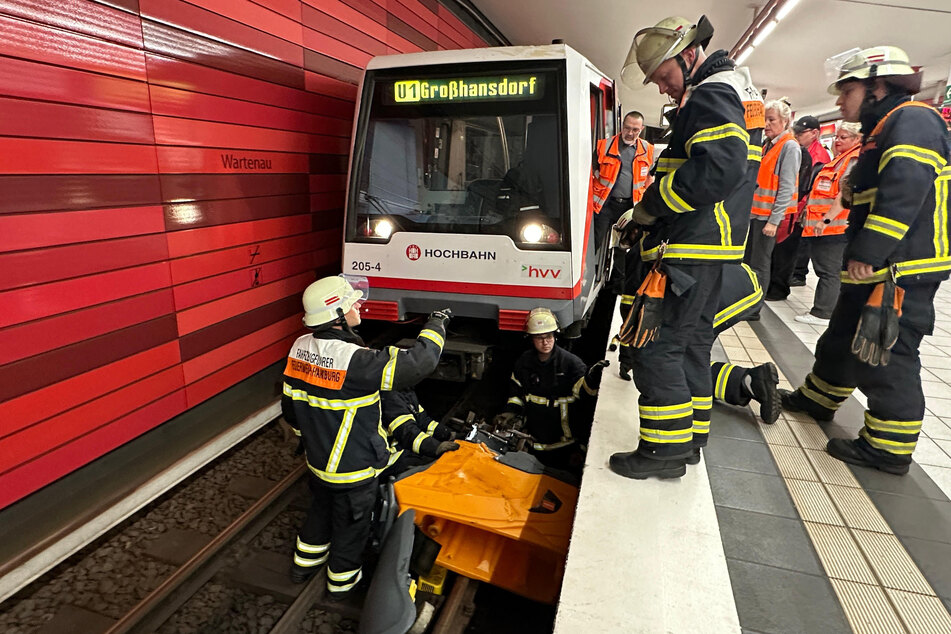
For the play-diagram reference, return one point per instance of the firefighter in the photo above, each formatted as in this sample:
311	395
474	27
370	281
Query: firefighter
898	231
332	386
547	382
621	175
695	217
412	430
740	299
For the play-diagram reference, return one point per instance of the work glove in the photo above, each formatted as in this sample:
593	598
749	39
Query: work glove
443	433
642	324
877	330
505	420
447	445
594	372
443	315
640	216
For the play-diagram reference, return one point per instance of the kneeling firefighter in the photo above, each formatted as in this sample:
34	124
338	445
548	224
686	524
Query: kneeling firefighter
412	430
695	217
332	386
547	383
897	255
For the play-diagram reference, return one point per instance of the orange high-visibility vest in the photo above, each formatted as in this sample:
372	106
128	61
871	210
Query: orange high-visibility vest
767	181
823	193
609	166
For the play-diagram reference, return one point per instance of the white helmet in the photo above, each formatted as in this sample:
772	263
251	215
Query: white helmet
330	298
541	321
878	61
656	44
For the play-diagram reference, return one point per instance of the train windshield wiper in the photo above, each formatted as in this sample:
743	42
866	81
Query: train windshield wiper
385	205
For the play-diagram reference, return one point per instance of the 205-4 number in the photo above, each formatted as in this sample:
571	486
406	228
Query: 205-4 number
357	265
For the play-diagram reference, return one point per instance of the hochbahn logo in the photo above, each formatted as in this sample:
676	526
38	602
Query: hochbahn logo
413	252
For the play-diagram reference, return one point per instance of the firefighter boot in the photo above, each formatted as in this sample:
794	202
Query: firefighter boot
624	373
796	402
639	467
764	380
853	452
300	575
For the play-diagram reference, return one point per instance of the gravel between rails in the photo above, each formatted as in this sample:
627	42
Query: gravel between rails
111	575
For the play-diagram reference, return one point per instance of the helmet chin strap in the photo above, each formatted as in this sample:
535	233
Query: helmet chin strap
687	72
342	319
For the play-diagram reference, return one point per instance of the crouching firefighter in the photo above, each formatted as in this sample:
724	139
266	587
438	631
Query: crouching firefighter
412	430
549	389
897	254
332	386
695	217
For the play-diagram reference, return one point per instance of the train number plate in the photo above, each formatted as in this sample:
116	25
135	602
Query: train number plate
364	266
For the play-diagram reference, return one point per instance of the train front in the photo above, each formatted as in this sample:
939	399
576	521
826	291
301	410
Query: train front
458	191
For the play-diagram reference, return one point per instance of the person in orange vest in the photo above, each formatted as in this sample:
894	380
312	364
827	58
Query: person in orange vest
777	186
824	223
621	175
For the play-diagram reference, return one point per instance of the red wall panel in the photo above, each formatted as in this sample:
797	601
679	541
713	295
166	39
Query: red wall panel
173	176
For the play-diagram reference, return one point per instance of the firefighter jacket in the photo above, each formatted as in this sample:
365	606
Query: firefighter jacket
824	192
410	427
769	184
706	176
740	296
332	388
899	212
543	393
609	166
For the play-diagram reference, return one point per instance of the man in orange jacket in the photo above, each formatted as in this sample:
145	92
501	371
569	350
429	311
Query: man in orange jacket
621	175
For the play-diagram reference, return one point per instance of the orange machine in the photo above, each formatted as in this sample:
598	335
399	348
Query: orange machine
505	525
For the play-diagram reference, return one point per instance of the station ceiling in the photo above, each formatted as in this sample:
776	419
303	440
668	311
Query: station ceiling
790	62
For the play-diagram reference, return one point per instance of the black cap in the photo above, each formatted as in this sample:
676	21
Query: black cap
806	123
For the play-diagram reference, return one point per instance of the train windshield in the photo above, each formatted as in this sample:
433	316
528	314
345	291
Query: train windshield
461	152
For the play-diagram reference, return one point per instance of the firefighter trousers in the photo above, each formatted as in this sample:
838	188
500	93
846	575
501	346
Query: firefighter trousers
728	383
896	404
336	531
672	373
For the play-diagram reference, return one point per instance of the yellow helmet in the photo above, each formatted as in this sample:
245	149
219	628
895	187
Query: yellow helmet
328	299
655	45
878	61
541	321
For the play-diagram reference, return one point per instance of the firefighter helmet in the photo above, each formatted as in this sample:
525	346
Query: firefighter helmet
541	321
878	61
330	298
656	44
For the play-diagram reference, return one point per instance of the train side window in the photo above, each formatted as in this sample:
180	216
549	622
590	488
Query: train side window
597	115
610	113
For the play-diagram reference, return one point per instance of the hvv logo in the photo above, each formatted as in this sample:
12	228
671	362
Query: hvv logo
543	272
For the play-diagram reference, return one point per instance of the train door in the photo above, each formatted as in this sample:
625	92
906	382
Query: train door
602	127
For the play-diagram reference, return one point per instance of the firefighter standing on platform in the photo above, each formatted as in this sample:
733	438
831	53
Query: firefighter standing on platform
332	386
696	215
898	231
620	177
547	382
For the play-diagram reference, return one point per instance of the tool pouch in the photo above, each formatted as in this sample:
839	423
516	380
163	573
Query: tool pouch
877	330
642	324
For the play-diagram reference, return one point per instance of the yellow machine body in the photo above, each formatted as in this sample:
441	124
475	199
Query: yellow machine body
494	523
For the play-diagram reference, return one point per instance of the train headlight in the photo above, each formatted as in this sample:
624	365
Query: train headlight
537	233
383	229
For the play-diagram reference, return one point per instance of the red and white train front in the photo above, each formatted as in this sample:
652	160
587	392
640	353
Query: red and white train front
469	183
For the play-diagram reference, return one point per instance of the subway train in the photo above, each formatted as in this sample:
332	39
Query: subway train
469	184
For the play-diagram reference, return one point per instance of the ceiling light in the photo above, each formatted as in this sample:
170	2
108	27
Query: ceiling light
772	24
742	56
786	9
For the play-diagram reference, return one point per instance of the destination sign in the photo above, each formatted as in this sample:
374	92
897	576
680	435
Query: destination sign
508	87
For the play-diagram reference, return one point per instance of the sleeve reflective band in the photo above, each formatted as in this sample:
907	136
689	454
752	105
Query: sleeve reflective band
671	199
715	134
516	401
433	336
419	440
887	226
398	421
389	369
915	153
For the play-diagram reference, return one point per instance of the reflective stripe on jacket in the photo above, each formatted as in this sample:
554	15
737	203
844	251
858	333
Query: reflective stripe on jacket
767	181
706	176
899	212
332	388
824	192
609	166
410	427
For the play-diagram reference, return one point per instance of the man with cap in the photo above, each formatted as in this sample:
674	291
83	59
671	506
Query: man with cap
897	235
695	218
332	385
807	131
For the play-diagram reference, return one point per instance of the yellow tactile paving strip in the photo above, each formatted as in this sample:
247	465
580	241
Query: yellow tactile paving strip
878	584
